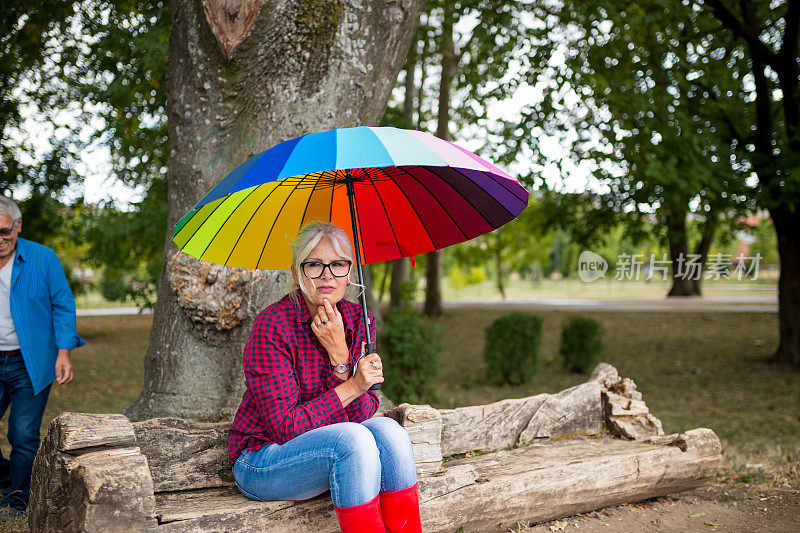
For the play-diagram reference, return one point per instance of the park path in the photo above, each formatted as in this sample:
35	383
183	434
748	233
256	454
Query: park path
734	304
740	304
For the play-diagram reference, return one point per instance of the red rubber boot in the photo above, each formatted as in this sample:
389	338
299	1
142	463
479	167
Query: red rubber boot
400	510
364	518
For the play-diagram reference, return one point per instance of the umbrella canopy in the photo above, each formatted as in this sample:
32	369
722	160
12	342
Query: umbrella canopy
412	193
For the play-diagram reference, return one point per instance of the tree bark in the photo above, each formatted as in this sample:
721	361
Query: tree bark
703	245
498	263
679	253
433	283
238	83
787	222
399	278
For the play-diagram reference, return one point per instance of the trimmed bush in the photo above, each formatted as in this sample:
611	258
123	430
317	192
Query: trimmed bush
410	348
512	348
581	344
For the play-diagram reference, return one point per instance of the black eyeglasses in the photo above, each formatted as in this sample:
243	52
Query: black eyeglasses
5	232
315	269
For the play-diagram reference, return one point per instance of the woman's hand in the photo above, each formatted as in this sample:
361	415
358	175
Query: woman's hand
369	372
328	326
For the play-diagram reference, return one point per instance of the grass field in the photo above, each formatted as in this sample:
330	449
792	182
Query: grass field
695	370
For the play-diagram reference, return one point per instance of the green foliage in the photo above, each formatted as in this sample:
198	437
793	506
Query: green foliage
127	246
581	344
512	348
28	37
458	278
103	66
656	99
47	221
410	347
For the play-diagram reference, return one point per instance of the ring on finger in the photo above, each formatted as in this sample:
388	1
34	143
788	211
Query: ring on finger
375	364
319	323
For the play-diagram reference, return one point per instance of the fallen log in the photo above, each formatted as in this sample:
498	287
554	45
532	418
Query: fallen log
529	460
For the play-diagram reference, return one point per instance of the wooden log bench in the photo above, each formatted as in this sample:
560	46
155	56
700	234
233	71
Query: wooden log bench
483	468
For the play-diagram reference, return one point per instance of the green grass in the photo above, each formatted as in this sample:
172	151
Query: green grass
109	376
109	373
695	370
92	298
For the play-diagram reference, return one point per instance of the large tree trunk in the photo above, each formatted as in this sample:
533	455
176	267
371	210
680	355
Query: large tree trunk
703	245
397	284
433	274
241	78
498	264
682	285
787	223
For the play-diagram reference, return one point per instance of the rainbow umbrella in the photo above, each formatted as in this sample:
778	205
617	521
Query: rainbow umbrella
396	192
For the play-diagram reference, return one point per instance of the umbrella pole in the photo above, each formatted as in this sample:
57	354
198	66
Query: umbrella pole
370	347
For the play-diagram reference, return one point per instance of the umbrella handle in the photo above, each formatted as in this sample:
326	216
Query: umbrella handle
368	349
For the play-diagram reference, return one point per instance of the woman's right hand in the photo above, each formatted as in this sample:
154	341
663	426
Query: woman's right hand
366	374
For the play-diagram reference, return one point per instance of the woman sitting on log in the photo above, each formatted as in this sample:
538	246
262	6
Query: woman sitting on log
304	424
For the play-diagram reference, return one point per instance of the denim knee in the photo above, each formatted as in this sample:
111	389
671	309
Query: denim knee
390	435
398	470
356	473
357	442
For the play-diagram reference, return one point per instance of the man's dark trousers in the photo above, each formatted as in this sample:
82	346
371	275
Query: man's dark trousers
24	422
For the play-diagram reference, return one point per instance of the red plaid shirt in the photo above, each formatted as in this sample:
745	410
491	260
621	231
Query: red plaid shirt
289	377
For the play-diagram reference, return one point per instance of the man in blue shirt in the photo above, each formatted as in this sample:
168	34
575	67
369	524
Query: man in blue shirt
37	332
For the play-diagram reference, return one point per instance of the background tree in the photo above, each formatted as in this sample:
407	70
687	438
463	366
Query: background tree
678	105
769	33
623	85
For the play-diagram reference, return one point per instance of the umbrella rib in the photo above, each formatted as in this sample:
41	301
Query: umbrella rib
442	206
502	182
276	220
198	226
252	216
421	222
226	220
358	229
388	218
473	206
224	199
330	204
501	204
305	210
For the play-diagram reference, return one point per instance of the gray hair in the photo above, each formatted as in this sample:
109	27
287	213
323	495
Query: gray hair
308	237
9	208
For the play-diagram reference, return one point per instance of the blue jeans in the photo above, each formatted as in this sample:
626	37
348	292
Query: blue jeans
24	421
355	461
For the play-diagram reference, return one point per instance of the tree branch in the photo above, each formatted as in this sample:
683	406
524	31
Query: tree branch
735	133
788	73
728	19
789	46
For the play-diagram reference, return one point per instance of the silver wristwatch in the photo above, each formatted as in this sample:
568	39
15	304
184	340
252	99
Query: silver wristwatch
341	368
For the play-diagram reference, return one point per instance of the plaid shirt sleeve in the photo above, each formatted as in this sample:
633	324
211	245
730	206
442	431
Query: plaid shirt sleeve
365	405
271	380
